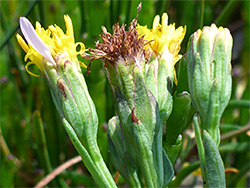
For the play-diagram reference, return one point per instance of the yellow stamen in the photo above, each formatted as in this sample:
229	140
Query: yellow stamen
82	64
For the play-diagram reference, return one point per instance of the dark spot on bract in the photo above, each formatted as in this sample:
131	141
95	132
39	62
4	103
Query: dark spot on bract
62	89
134	118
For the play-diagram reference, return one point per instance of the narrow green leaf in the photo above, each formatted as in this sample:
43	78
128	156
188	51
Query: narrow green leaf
122	154
200	147
235	147
12	32
202	13
41	142
229	127
98	176
183	76
168	169
226	12
176	121
174	149
239	104
214	165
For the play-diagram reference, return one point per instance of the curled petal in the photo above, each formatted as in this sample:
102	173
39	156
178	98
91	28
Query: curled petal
27	69
34	40
82	48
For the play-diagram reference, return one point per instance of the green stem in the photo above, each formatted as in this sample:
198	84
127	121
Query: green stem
82	6
111	11
100	164
16	63
129	3
133	180
226	11
42	147
99	177
202	13
41	141
161	7
239	103
41	12
6	150
12	32
200	147
235	133
118	12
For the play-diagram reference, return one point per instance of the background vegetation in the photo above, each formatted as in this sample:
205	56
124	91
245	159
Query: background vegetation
33	141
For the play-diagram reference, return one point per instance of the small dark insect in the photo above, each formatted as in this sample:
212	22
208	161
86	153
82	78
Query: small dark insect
134	118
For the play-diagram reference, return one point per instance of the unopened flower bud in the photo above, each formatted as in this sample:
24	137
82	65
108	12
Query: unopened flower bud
209	74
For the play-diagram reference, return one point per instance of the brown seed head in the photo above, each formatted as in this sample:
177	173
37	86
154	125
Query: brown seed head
126	46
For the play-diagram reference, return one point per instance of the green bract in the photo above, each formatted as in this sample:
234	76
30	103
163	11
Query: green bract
123	154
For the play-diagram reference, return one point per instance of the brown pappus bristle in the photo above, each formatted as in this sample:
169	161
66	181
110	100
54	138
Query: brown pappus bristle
123	45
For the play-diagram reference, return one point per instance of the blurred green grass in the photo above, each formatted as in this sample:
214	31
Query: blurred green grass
23	151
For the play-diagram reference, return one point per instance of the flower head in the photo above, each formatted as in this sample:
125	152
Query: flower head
44	46
164	38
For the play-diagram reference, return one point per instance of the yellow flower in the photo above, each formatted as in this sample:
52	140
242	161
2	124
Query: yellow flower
164	38
196	172
44	46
